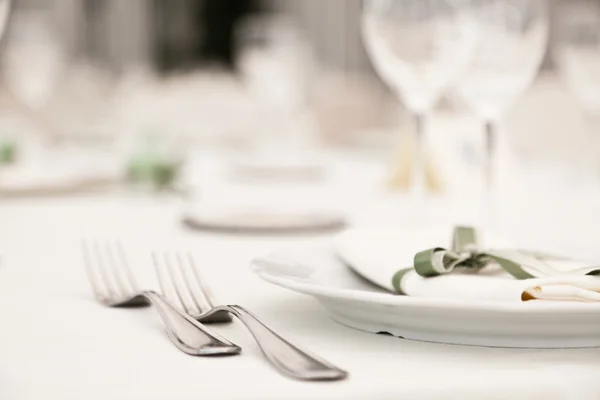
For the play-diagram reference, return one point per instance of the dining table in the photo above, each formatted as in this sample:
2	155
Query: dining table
56	341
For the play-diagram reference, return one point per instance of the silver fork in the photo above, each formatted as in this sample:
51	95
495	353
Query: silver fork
114	285
189	291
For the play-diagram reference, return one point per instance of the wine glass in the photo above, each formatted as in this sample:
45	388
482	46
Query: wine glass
511	41
32	63
5	9
275	61
418	47
7	147
577	54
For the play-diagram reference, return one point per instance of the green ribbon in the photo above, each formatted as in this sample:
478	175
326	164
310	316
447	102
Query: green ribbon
466	253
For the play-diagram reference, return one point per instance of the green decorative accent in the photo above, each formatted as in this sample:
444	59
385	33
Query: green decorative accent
423	262
153	168
466	253
397	280
464	238
511	266
8	152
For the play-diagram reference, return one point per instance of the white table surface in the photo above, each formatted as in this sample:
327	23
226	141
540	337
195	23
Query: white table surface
56	342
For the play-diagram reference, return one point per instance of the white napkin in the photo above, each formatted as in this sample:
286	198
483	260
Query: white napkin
378	255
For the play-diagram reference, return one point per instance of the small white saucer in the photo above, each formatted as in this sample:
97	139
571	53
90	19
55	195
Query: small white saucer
261	220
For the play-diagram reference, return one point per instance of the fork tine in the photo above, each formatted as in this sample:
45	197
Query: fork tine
116	271
179	289
125	265
89	269
206	293
168	276
159	276
104	276
195	295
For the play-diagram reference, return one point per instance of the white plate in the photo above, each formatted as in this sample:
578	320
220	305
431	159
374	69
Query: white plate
57	178
261	220
355	302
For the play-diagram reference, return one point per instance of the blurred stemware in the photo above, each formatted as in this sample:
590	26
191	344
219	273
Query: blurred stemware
32	58
275	63
5	10
577	53
418	48
32	64
511	42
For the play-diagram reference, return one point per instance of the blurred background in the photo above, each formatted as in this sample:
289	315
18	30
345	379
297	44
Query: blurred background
87	55
242	75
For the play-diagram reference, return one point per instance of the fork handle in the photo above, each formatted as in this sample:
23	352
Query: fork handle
287	357
187	334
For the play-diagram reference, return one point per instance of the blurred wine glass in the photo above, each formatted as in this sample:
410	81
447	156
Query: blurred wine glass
275	63
32	58
511	42
418	48
577	53
32	64
5	8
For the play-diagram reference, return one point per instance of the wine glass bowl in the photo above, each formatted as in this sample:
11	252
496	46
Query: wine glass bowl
274	61
511	43
417	46
577	55
275	65
577	52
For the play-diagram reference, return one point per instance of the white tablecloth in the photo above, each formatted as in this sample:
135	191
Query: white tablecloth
56	342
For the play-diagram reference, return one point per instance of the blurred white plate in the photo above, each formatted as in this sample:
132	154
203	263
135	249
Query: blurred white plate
261	220
278	171
53	180
355	302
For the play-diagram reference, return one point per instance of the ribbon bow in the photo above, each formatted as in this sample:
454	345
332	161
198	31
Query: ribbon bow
466	252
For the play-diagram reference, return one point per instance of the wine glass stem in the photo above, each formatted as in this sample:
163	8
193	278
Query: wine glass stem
419	167
490	161
490	154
